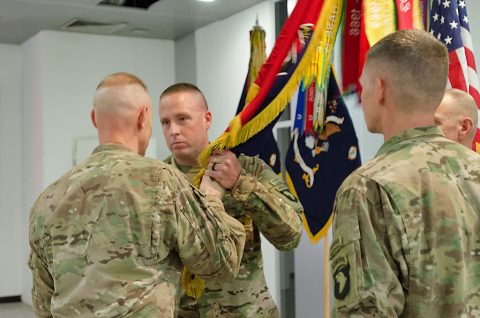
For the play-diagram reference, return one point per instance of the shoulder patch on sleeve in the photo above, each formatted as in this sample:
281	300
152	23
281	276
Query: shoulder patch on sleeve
342	281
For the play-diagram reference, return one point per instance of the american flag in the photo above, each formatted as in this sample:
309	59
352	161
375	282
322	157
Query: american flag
449	23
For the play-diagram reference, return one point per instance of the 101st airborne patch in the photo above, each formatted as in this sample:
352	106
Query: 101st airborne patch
341	277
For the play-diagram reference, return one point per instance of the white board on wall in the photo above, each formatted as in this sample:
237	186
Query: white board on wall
83	147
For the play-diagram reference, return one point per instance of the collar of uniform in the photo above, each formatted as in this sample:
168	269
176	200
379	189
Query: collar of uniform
409	134
183	168
106	147
188	169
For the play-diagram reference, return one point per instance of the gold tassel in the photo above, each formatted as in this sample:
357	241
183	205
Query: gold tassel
192	284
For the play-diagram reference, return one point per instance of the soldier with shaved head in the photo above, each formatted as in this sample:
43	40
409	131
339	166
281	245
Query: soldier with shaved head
111	236
457	116
406	229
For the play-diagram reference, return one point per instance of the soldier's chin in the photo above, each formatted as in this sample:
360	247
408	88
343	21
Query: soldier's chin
183	154
179	148
179	152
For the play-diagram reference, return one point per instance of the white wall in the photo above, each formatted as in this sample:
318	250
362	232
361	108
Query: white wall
61	73
10	170
32	142
73	66
185	59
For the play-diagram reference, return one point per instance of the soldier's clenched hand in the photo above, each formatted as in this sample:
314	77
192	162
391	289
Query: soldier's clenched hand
210	186
224	167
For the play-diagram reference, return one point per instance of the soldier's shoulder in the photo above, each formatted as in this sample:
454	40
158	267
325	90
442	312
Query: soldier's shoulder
150	163
469	155
150	170
361	180
52	187
165	169
41	206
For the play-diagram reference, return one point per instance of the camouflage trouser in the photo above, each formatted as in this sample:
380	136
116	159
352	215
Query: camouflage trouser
189	307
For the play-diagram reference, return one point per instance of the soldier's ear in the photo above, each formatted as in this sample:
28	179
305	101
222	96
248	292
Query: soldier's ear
379	91
465	129
142	117
208	119
92	117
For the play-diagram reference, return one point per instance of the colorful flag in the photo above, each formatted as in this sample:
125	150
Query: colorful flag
449	23
302	50
368	21
264	145
318	163
351	45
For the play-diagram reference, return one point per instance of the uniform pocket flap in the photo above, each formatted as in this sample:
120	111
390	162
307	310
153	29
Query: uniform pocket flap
350	230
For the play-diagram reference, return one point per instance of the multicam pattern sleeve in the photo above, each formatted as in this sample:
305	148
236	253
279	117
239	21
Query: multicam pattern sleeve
42	290
265	197
364	266
210	242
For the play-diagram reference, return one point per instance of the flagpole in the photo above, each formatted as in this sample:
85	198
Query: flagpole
326	276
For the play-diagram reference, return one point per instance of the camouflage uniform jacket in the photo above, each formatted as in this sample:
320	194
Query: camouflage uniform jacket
406	233
263	203
111	236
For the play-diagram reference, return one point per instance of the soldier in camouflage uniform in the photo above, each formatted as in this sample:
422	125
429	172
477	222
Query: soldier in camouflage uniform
457	116
406	233
110	238
256	196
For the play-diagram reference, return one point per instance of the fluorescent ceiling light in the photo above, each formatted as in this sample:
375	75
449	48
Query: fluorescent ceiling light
206	0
